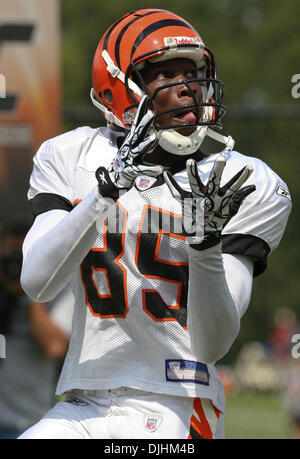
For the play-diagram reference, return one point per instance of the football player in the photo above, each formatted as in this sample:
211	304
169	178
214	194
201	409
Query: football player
159	242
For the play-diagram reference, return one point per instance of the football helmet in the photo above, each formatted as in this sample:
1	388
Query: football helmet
156	35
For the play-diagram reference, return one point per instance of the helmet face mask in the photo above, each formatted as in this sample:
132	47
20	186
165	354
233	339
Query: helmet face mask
149	37
208	111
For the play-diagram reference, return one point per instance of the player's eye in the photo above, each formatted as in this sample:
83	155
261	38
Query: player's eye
191	74
164	74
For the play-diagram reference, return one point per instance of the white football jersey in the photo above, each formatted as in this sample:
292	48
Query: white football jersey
130	316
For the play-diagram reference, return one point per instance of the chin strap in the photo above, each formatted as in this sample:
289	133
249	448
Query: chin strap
181	145
115	72
109	116
227	140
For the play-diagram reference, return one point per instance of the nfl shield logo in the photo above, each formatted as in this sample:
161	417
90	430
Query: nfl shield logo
174	365
152	423
144	183
116	164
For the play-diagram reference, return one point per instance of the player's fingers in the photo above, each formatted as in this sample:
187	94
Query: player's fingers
177	192
237	181
148	144
238	198
216	174
142	130
152	171
196	184
141	110
137	153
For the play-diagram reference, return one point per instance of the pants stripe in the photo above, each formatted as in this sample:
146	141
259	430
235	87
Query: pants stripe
204	419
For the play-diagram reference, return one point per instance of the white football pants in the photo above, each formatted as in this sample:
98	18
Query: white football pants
126	413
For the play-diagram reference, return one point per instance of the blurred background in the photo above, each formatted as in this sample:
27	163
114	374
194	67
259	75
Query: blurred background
46	53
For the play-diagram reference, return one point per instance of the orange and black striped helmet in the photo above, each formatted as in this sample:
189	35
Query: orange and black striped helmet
149	35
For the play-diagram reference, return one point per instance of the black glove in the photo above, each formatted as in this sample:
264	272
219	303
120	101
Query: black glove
206	209
128	164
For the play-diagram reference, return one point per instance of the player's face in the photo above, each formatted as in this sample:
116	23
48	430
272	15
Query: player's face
173	71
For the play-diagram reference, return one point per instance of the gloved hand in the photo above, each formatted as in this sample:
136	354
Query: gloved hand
128	164
206	209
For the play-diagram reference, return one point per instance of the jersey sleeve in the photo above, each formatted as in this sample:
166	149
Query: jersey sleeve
257	228
51	181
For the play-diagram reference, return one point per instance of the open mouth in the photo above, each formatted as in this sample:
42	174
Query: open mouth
182	119
186	117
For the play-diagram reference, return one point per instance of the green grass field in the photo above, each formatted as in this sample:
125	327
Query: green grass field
256	415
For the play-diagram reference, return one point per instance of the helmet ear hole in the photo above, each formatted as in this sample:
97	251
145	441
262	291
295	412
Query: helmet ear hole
107	94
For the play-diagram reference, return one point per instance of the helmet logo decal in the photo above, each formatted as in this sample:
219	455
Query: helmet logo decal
153	28
175	41
129	116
